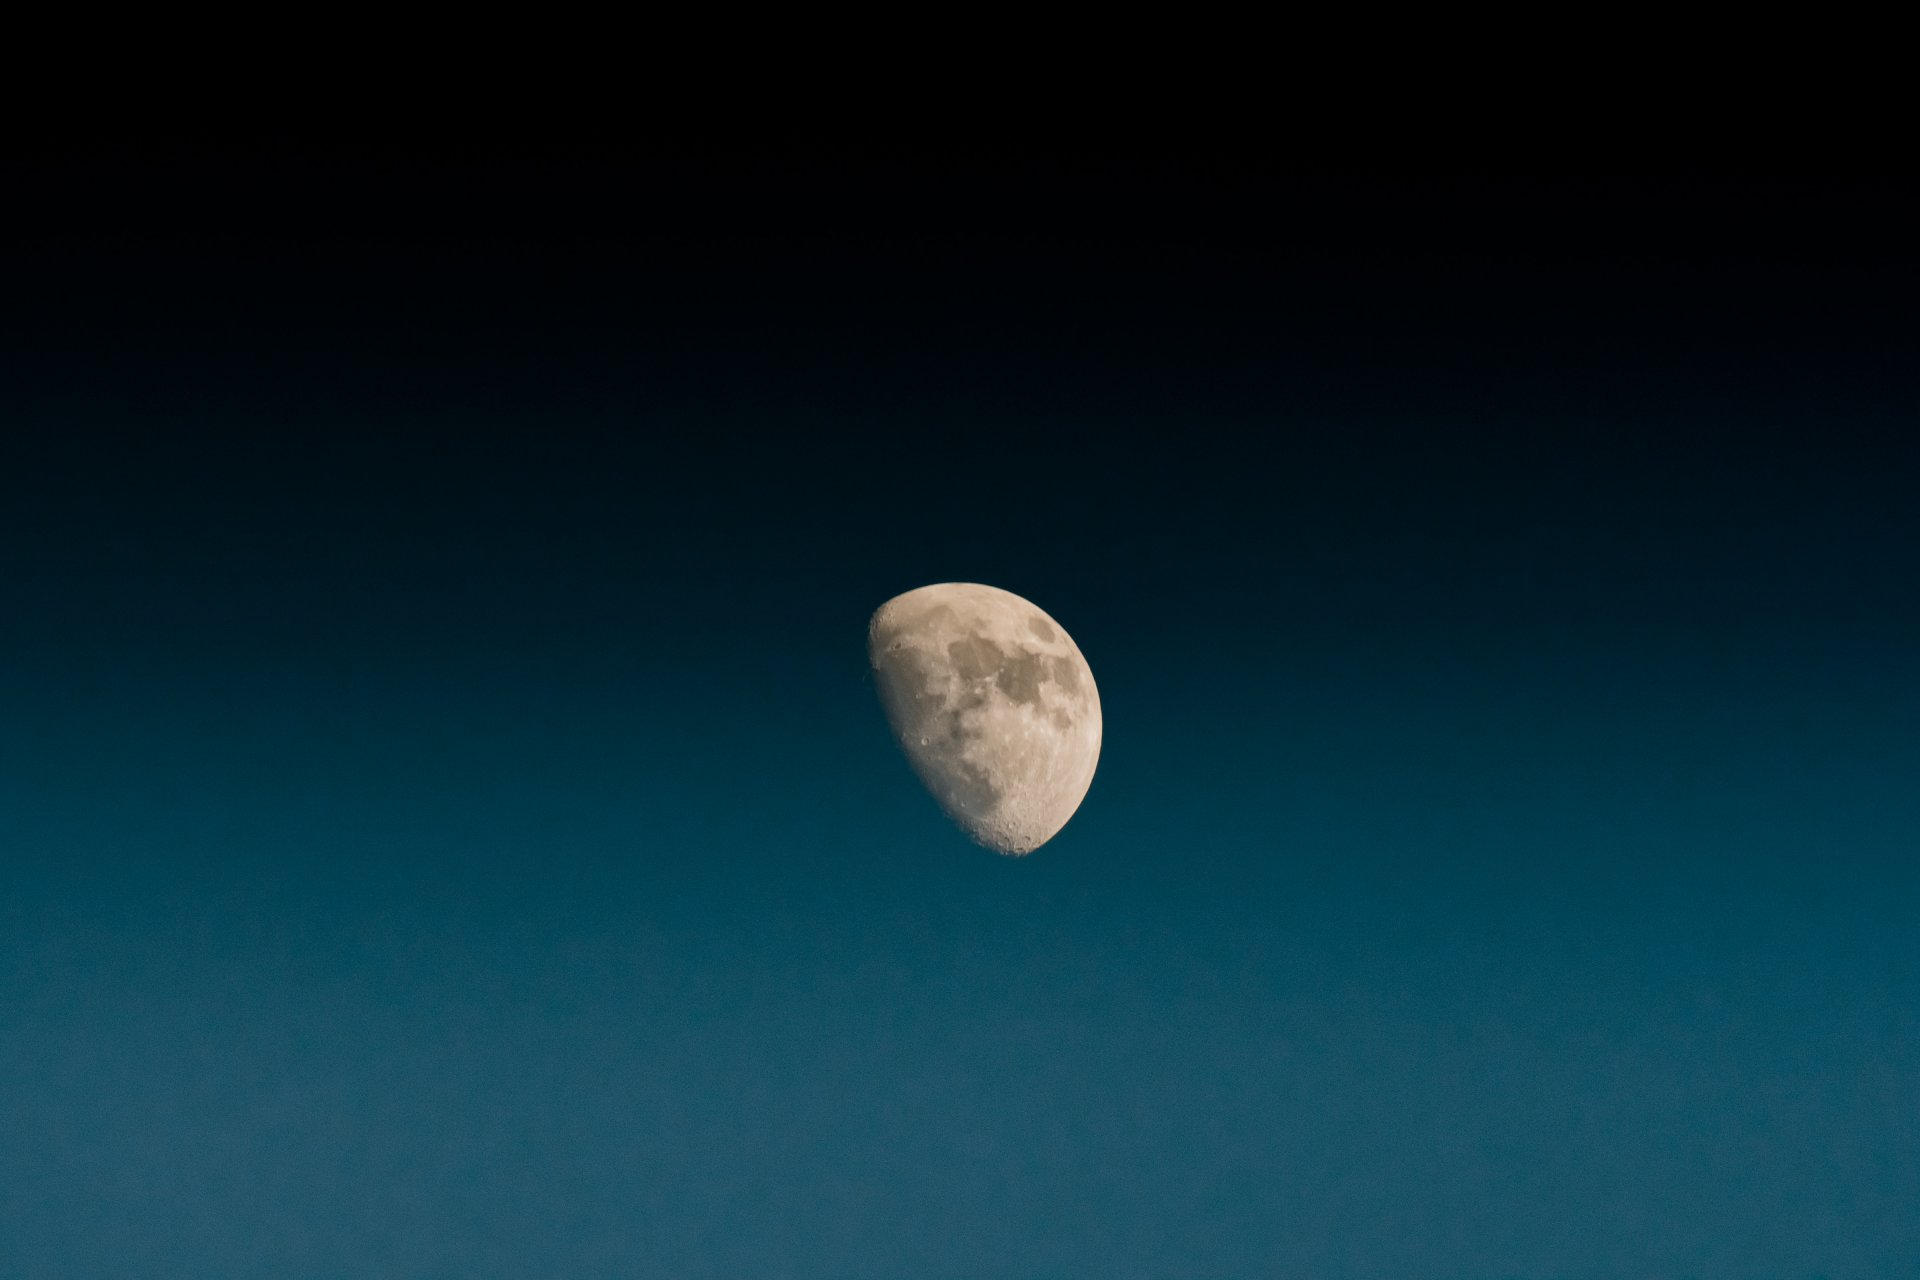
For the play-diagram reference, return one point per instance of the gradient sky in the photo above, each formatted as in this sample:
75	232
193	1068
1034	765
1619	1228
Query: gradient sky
447	828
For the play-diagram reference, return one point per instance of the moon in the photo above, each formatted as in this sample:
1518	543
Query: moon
993	704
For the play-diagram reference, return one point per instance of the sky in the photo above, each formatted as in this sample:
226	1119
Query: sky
447	827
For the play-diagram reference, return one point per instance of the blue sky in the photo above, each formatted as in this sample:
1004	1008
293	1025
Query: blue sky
449	830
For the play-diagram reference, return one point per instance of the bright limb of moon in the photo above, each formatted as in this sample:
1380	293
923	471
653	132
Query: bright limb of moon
993	704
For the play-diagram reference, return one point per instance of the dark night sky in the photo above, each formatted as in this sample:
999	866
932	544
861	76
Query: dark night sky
447	830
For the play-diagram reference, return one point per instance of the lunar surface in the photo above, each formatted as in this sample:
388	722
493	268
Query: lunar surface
994	706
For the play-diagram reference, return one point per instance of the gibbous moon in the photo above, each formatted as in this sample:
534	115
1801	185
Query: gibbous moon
994	706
